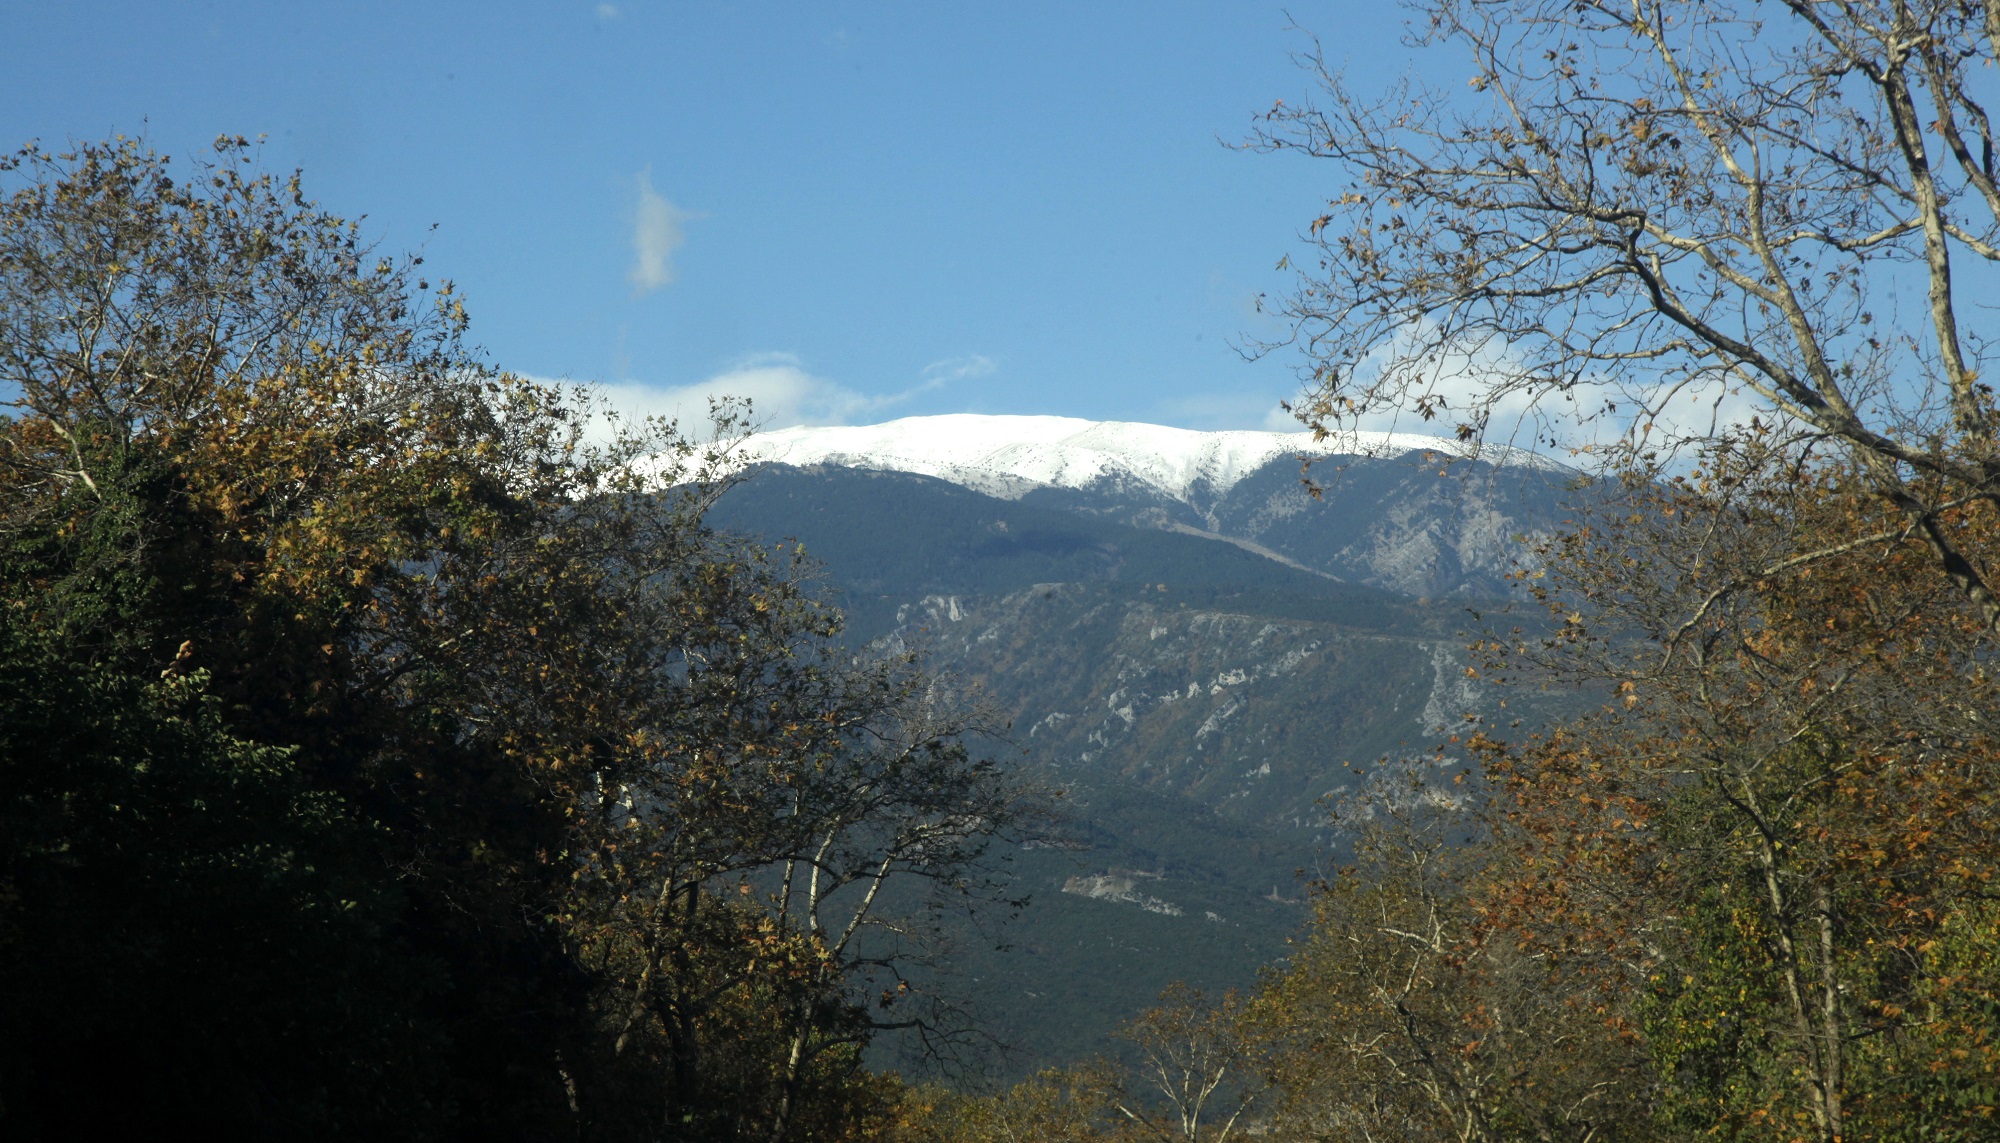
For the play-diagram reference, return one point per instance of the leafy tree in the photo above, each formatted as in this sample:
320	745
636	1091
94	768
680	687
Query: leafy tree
174	897
227	430
1694	226
1194	1075
388	758
1196	1078
1056	1106
1747	899
824	814
1402	1016
1782	830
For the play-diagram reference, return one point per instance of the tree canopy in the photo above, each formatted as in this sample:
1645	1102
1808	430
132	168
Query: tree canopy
1734	251
385	752
382	752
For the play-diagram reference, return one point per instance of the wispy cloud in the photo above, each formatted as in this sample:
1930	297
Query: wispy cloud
783	393
941	373
607	12
657	231
1228	410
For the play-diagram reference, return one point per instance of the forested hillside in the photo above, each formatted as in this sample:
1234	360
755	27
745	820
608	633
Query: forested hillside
393	746
1197	703
378	758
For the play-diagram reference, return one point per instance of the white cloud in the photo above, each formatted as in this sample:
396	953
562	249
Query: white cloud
1593	415
1280	420
783	393
1668	418
657	231
1458	385
607	12
1590	417
1228	410
940	373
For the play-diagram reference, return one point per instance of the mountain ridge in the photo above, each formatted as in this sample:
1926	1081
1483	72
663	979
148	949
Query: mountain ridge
1197	658
1009	456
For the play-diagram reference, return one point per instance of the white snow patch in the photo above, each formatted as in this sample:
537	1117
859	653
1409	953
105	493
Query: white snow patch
1009	456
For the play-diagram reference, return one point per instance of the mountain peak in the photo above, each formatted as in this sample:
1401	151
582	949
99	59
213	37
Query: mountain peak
1010	456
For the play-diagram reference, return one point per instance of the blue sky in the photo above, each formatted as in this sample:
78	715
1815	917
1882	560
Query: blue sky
853	211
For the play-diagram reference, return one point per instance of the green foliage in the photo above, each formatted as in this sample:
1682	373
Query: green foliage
379	757
1709	1017
178	899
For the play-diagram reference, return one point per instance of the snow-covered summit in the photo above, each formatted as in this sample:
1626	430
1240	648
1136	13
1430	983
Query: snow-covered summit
1009	456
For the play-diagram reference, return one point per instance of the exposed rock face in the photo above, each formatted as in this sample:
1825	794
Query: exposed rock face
1189	639
1251	716
1410	524
1415	514
1121	886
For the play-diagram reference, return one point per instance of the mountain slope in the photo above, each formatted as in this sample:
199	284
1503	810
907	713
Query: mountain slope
1254	716
1198	672
1415	514
890	539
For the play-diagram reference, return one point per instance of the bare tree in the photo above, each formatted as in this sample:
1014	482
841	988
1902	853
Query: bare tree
1401	1015
899	829
794	825
1196	1074
1679	222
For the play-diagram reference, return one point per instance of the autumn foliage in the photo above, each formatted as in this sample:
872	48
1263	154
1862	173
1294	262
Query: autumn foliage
382	753
1779	840
1747	892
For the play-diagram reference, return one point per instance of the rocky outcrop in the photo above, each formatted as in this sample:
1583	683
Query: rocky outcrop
1256	718
1121	886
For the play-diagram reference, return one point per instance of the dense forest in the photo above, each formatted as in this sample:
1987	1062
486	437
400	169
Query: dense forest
382	758
385	754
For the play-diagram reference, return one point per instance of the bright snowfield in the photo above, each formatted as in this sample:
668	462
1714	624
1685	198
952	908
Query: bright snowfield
1009	456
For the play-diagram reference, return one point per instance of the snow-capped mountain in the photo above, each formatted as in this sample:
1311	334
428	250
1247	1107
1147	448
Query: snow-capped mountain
1171	622
1010	456
1385	511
